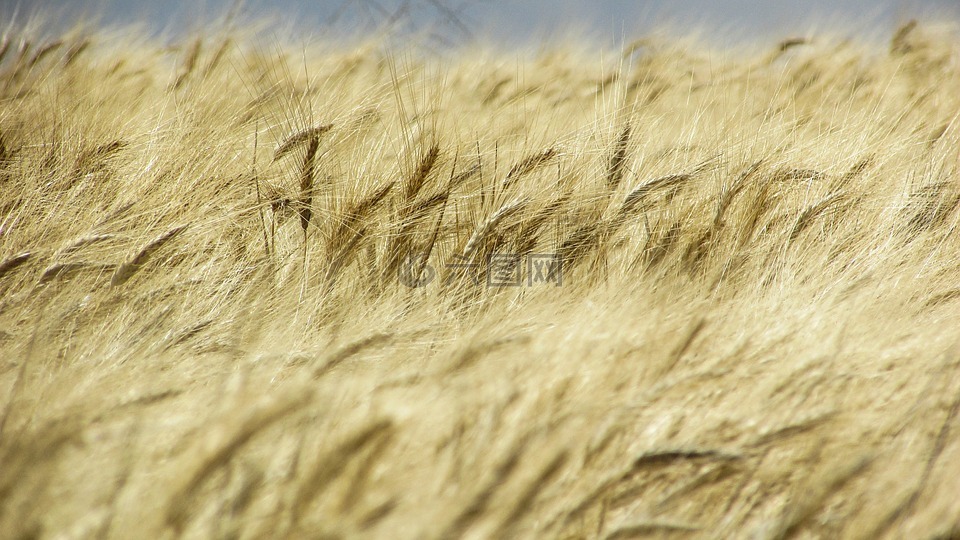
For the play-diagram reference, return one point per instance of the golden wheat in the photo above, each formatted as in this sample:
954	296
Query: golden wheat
686	292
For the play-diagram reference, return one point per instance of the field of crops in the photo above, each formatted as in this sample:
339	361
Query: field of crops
355	291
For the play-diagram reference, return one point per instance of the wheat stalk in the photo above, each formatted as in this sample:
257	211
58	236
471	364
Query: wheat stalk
480	233
4	47
306	183
528	165
189	62
618	159
331	464
13	262
359	211
215	449
419	177
127	270
300	137
640	193
73	52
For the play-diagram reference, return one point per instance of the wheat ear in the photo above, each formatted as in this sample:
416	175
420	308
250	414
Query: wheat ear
126	270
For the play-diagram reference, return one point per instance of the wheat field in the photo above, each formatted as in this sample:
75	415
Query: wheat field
352	291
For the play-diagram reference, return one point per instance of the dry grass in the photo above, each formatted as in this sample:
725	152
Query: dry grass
755	334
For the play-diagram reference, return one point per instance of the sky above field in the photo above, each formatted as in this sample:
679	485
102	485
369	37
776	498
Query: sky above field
510	23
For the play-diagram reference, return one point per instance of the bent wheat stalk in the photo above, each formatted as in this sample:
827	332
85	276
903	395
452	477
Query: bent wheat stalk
126	270
481	232
11	263
299	138
528	165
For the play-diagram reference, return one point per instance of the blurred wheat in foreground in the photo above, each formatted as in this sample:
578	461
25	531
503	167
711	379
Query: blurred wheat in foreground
247	293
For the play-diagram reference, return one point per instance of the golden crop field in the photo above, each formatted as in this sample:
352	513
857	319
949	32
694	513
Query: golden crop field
345	290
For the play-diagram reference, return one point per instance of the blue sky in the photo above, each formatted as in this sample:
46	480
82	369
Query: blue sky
509	23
